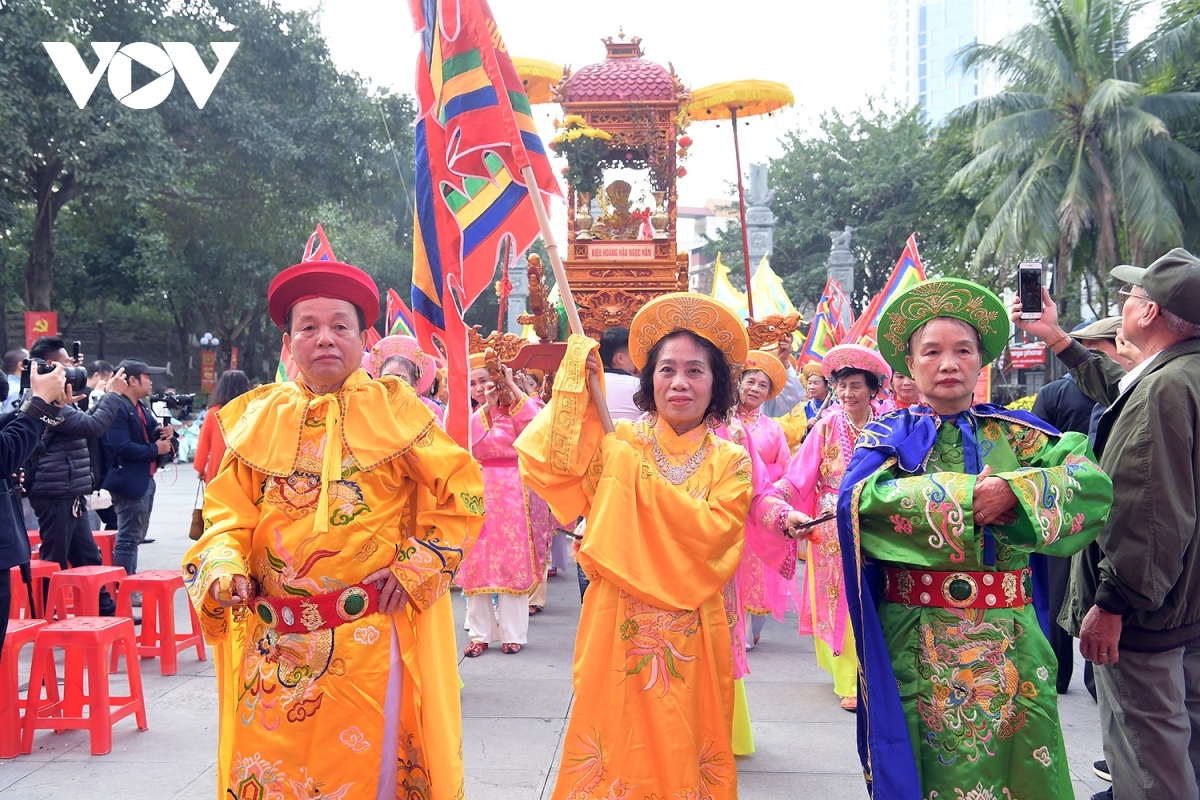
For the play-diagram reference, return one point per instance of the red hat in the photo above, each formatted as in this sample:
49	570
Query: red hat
332	279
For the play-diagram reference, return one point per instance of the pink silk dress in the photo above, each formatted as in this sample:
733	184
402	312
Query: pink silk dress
511	549
764	591
811	486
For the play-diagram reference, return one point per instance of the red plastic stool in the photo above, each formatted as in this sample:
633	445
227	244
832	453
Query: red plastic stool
41	572
158	588
106	540
86	642
20	633
80	586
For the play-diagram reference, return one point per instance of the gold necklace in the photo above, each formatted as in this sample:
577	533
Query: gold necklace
677	474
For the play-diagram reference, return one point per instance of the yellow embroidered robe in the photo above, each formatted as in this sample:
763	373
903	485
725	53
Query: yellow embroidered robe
311	715
653	709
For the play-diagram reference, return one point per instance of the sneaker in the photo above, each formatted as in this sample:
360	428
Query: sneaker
1105	795
147	541
1101	770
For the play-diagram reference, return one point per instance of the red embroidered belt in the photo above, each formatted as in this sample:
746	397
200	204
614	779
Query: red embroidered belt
322	611
918	587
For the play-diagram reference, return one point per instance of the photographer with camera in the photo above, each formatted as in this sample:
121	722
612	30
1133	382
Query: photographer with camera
133	447
62	475
20	434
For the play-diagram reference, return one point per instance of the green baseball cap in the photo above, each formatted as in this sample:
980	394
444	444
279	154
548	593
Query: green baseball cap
975	305
1172	281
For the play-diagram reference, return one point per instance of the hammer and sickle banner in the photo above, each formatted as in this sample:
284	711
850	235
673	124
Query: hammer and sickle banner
39	323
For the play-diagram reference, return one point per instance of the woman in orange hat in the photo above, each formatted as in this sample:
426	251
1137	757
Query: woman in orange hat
811	487
666	502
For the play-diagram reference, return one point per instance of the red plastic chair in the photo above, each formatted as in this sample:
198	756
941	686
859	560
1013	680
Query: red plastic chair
106	540
158	637
86	642
20	633
41	572
76	591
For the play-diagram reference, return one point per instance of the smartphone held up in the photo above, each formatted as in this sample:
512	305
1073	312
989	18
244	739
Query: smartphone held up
1029	288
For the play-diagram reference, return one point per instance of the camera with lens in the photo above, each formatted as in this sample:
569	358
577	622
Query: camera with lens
76	376
181	403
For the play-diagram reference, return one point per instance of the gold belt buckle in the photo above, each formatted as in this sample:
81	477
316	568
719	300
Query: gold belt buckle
960	590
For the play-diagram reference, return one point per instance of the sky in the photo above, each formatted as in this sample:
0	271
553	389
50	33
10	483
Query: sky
831	54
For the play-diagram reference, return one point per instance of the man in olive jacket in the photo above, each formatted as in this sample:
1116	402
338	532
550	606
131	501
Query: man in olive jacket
1134	600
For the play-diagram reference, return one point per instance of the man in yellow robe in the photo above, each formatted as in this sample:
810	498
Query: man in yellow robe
332	532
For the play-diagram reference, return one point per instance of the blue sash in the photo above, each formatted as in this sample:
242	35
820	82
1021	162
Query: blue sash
906	435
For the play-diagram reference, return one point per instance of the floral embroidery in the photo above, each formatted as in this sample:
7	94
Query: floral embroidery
1043	673
978	793
368	634
355	739
966	656
647	629
1042	754
346	503
901	524
1077	523
254	778
412	779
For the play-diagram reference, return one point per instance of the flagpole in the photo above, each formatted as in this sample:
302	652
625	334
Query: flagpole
737	155
564	290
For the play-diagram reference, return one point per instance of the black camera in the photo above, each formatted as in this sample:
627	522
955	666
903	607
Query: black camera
180	403
76	376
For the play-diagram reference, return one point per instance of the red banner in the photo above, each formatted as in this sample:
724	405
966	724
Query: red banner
39	323
208	370
233	354
1030	356
983	386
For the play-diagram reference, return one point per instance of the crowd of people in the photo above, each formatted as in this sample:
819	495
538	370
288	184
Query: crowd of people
943	553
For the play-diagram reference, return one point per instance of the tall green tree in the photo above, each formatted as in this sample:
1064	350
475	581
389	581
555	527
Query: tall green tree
52	151
881	171
1077	156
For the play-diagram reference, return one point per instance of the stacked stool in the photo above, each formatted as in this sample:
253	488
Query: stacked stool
77	590
20	633
158	637
41	572
106	541
87	643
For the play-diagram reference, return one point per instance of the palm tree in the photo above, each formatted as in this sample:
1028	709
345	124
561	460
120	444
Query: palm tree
1076	157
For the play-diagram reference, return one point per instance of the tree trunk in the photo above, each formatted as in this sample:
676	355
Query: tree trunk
39	270
100	328
1106	204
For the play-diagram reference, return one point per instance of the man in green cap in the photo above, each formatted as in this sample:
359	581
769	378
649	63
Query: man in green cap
937	516
1135	596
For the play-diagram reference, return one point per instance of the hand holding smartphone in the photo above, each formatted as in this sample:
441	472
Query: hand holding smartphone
1029	288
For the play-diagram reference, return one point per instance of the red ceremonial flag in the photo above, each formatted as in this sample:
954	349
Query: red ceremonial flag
474	135
318	248
908	272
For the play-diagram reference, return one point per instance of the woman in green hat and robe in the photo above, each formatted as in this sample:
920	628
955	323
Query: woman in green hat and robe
938	513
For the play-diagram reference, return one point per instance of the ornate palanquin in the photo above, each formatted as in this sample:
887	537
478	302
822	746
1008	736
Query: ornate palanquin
612	271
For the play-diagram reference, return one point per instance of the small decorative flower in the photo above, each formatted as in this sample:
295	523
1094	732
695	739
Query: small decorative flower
1042	754
901	524
1043	673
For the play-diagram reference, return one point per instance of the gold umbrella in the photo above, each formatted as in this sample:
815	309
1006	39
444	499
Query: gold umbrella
539	78
730	100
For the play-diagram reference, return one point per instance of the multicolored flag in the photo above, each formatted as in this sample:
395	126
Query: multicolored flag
827	327
474	135
398	320
908	272
318	248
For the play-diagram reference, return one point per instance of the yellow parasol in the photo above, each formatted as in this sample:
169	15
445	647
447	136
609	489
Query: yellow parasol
730	100
539	78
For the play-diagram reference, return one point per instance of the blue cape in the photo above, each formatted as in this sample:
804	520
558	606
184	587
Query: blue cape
907	435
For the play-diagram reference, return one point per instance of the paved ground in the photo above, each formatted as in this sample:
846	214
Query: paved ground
515	710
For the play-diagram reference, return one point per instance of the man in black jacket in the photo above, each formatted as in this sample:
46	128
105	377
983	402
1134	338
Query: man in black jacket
20	433
132	445
63	478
